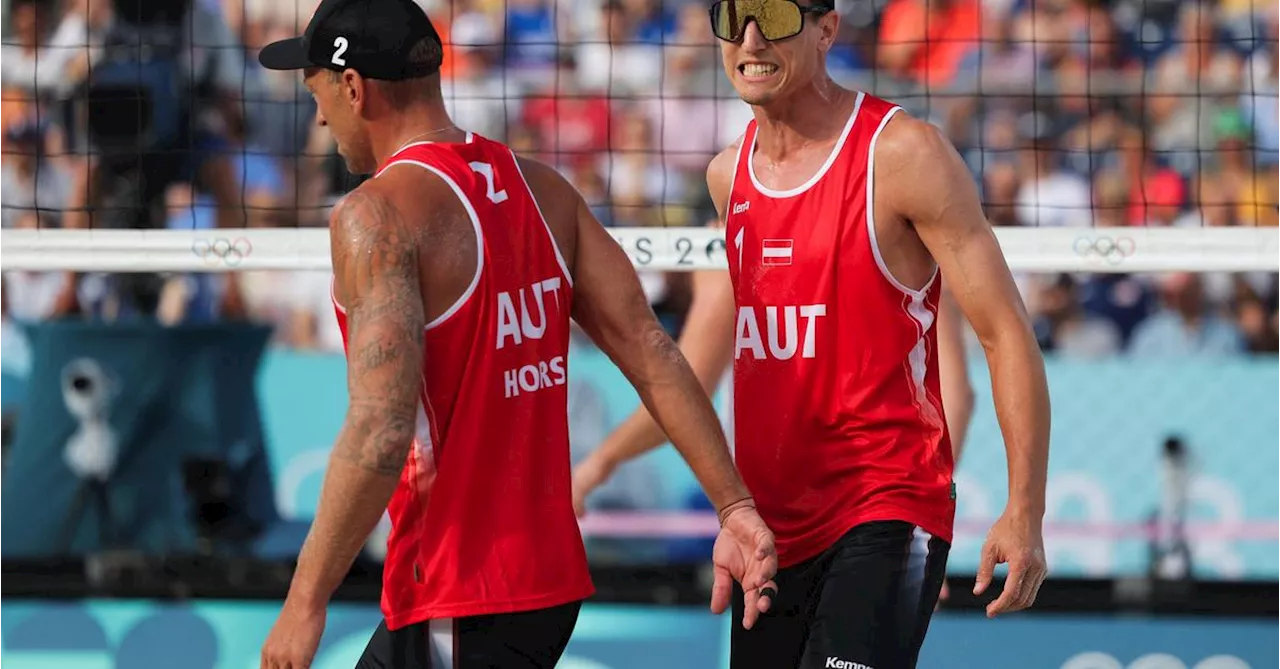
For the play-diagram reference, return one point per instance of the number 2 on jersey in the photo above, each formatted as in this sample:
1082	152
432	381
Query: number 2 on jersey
486	170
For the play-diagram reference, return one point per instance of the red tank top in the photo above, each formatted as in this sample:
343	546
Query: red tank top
482	520
837	415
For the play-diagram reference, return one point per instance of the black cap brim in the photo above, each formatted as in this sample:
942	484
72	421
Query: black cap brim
287	54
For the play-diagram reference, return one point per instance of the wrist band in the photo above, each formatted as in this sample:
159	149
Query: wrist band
728	509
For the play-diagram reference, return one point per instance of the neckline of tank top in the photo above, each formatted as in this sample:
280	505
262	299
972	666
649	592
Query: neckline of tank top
817	176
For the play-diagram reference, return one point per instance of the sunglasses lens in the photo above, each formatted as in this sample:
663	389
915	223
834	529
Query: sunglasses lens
777	19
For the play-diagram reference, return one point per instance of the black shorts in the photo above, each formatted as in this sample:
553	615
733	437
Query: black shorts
525	640
864	603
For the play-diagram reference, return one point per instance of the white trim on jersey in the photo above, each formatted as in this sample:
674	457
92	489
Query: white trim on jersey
916	307
871	216
564	267
813	180
475	225
424	446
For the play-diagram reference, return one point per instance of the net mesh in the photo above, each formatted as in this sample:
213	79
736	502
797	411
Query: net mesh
1126	152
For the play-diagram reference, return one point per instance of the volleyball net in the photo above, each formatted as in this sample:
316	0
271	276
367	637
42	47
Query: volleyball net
1097	250
1125	153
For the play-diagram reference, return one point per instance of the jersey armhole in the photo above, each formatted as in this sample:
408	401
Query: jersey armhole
475	226
551	238
916	295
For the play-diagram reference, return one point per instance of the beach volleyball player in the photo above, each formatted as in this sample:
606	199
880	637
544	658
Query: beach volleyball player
842	216
457	268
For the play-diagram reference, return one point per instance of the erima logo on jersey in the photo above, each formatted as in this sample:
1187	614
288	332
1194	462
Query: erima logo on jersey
783	340
741	207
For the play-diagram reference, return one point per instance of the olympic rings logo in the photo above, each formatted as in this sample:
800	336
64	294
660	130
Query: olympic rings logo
230	252
1113	251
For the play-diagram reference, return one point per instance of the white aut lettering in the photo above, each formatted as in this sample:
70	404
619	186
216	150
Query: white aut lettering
525	326
784	340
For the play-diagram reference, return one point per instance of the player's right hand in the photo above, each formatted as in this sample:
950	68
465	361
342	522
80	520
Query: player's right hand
744	552
294	639
590	474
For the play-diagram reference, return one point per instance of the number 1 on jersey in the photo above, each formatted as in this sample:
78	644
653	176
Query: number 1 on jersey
486	170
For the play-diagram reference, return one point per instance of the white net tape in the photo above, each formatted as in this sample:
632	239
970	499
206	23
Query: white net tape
668	249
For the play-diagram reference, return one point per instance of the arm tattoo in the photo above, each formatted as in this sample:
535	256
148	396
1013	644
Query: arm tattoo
376	266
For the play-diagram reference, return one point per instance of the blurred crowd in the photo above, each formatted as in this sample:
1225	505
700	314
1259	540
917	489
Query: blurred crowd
1069	113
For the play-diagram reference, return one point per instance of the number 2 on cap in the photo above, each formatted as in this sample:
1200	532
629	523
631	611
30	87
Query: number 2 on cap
341	45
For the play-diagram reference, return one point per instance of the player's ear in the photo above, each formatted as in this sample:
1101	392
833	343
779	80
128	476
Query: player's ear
829	24
355	89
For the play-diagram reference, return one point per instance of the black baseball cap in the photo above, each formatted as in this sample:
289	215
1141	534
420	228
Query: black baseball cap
380	39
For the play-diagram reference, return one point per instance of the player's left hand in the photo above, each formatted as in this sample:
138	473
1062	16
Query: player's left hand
1017	540
744	552
295	637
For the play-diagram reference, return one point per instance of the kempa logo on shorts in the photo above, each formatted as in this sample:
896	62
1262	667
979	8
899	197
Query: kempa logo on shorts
837	663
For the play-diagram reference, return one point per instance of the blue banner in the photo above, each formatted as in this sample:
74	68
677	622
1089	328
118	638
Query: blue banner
123	426
1110	421
228	635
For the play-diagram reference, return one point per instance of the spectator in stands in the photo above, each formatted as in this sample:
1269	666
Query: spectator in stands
1234	172
1005	58
1110	199
532	42
32	184
1260	99
476	95
278	111
633	169
1000	192
594	190
571	125
1185	325
1195	68
49	65
1093	143
1064	328
686	117
652	22
1050	196
1099	45
928	40
1258	330
620	65
1157	192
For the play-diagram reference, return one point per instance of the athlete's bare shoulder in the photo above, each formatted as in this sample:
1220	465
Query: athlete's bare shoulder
414	214
914	158
907	140
720	174
558	200
368	223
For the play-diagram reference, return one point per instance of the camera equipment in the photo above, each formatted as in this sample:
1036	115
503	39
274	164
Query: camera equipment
135	109
1170	551
92	450
217	507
